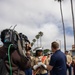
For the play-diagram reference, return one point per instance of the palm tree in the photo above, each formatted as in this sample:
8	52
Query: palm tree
40	34
37	37
62	24
73	20
32	44
34	40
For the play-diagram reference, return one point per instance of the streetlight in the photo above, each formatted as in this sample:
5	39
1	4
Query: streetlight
62	23
73	20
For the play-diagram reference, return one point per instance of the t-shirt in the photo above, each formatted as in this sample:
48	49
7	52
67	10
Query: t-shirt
58	61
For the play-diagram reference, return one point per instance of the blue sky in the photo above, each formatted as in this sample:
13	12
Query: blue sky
32	16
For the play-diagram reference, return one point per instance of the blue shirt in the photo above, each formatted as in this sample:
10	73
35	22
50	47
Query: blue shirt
58	61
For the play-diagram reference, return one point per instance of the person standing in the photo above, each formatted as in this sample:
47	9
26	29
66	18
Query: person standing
37	61
73	63
69	62
57	64
28	71
48	57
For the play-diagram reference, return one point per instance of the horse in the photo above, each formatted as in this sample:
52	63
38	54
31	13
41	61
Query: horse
13	52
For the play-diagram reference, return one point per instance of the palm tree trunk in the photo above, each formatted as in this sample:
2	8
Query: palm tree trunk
73	20
37	42
63	26
40	42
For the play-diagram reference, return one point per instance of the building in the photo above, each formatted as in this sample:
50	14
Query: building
73	50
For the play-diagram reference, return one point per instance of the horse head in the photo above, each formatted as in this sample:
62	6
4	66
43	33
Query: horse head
8	37
19	41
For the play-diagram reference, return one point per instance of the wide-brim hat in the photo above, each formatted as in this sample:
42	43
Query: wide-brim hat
38	49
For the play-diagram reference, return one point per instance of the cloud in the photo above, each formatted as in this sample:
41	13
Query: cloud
32	16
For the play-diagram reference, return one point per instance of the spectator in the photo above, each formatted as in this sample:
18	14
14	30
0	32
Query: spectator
74	65
57	65
69	62
48	56
39	58
28	71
